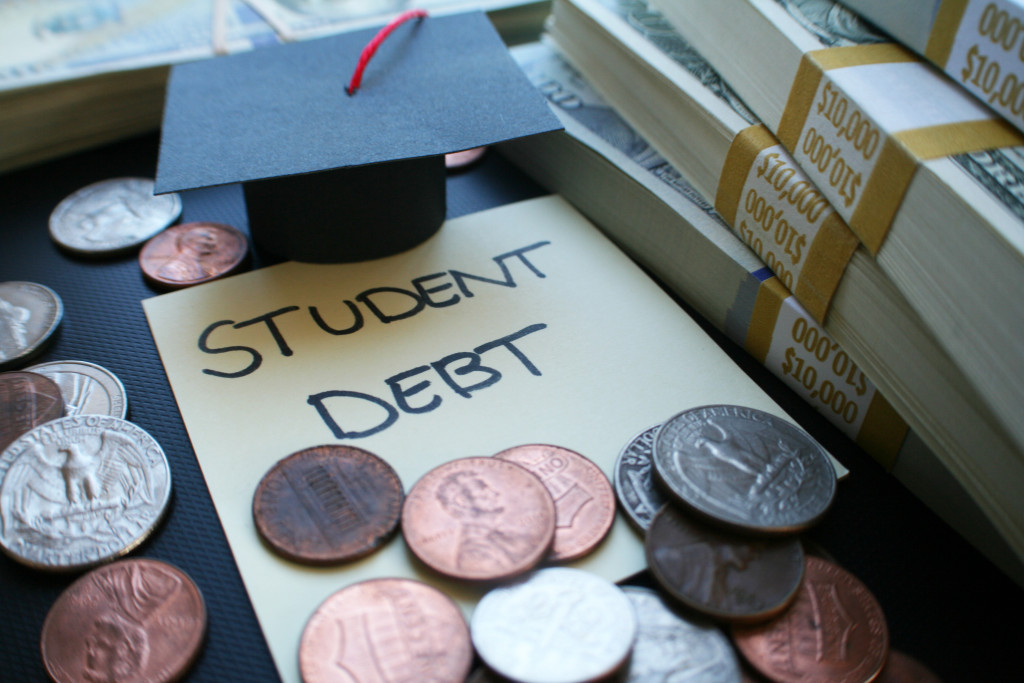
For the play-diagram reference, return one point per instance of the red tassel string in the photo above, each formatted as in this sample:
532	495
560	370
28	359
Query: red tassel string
371	47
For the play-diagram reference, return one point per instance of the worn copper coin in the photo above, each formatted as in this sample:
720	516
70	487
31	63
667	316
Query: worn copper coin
133	620
87	388
27	399
672	646
479	519
80	490
29	315
719	573
902	668
584	499
635	489
112	216
192	253
558	625
328	504
834	632
457	161
744	468
386	630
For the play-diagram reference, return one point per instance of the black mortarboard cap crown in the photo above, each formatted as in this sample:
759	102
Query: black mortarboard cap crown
330	177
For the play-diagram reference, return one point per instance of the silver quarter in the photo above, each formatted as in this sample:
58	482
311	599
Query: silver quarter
635	490
677	648
559	625
81	490
744	468
112	215
87	388
29	315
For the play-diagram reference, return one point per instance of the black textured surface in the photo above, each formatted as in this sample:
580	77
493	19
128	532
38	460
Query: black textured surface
945	604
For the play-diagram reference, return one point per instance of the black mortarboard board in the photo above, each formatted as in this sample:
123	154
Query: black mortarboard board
330	177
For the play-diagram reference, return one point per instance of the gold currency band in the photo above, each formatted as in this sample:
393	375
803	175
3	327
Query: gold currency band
944	30
830	250
882	432
902	152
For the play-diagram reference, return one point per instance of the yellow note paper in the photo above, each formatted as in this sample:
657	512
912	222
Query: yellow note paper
521	324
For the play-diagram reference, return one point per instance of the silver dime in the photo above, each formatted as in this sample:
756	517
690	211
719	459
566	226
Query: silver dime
81	490
87	388
29	314
112	215
634	480
559	625
671	647
744	468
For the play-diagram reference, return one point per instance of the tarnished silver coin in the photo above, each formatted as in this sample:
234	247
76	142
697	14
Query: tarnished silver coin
744	468
638	497
673	647
80	490
558	625
112	215
87	388
29	314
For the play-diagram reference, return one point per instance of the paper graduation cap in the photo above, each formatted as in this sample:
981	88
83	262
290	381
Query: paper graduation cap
330	177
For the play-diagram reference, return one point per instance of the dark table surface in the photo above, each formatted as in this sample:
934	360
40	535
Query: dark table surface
946	605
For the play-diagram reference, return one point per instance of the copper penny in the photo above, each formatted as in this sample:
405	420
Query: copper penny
584	498
328	504
457	161
386	630
479	519
902	668
193	253
835	631
133	620
27	399
721	574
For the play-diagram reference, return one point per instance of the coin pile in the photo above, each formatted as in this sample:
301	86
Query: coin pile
115	216
720	494
80	486
490	520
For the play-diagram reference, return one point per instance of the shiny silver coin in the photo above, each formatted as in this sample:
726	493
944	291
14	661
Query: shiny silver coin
81	490
29	314
558	625
87	388
112	215
673	647
638	497
744	468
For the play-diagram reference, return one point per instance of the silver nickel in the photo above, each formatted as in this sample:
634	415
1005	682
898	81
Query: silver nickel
29	315
112	215
635	490
87	388
744	468
79	491
673	647
558	625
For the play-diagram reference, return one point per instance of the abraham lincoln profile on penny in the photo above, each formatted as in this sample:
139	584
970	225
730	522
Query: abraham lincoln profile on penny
482	544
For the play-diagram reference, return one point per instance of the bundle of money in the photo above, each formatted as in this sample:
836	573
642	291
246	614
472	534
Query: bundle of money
80	73
977	43
634	58
927	178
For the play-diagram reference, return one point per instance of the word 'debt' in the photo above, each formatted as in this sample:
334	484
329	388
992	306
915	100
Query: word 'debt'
462	371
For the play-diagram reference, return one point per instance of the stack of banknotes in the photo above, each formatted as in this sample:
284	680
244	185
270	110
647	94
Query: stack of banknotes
80	73
684	113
